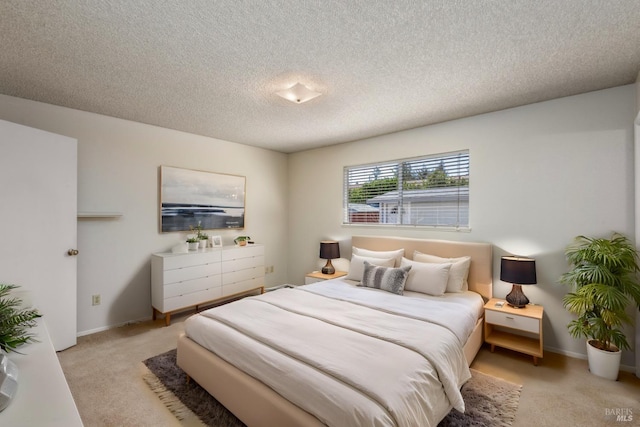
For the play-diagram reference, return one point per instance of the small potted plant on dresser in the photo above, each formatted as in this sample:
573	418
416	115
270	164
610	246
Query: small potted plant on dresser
203	240
193	242
241	240
604	284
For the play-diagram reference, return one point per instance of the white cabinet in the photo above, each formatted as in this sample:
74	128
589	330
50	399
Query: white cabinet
184	280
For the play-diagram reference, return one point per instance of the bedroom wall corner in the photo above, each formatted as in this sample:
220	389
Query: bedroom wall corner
118	164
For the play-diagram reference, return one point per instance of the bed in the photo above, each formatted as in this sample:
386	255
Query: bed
288	371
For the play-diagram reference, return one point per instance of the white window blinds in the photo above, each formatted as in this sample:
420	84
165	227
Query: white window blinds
428	191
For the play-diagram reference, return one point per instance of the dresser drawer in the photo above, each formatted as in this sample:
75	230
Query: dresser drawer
189	300
190	286
190	259
242	252
242	275
514	321
242	264
188	273
245	285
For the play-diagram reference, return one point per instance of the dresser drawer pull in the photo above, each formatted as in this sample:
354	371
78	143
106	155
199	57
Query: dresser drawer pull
509	317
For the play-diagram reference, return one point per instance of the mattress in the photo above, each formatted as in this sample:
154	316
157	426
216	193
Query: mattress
348	355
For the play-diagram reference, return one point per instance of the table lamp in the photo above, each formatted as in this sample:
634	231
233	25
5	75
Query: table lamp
329	249
517	271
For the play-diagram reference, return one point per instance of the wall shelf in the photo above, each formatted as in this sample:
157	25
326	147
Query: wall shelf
97	215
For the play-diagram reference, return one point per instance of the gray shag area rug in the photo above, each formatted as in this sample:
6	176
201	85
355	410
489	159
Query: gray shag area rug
489	401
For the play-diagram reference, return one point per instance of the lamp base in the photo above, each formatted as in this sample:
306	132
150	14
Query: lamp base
516	298
328	268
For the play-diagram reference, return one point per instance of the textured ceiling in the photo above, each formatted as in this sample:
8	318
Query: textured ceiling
212	67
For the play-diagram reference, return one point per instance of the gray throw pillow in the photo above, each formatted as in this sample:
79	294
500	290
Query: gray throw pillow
385	278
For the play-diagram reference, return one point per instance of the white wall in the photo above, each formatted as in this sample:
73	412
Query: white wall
118	164
540	175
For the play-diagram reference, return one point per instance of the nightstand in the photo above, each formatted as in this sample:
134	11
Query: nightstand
516	323
317	276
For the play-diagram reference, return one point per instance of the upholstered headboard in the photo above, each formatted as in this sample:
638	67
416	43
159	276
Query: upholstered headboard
480	272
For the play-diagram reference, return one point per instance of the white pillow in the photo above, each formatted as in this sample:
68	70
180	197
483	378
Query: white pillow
356	270
458	273
427	278
395	254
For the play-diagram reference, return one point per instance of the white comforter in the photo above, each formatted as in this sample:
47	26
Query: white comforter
349	356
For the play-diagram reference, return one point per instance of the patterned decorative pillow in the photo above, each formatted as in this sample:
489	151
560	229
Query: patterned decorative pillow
385	278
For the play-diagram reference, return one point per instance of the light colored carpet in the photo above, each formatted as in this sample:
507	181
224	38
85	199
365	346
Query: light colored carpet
489	401
105	377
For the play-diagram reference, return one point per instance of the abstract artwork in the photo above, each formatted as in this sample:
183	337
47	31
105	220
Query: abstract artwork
189	198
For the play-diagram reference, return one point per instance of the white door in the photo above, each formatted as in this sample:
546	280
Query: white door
38	215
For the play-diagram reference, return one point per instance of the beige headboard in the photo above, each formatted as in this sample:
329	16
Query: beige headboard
480	273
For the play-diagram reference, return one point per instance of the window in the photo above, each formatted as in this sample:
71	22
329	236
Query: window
428	191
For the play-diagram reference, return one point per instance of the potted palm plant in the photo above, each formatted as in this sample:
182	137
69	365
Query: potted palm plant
604	283
14	320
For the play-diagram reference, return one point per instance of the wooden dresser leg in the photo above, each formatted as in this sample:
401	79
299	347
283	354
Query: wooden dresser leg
154	316
535	361
167	319
493	347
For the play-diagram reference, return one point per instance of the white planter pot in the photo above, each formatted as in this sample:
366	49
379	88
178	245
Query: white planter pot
203	244
605	364
193	246
8	380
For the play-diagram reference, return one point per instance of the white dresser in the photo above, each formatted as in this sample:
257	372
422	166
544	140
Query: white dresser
184	280
43	397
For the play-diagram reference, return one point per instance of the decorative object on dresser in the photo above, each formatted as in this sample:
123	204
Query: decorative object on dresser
318	276
183	280
216	241
15	321
241	240
518	322
517	271
604	282
329	249
190	197
193	243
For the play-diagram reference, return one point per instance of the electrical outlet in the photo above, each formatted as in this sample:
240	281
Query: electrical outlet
95	299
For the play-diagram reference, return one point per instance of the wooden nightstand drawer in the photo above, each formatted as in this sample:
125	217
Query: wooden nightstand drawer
513	321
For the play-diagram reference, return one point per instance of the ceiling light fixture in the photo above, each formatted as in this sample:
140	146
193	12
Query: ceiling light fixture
298	93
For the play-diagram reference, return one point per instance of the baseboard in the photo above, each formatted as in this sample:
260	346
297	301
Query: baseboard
626	368
106	328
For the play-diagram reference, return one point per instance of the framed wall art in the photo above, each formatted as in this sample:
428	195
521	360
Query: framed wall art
190	197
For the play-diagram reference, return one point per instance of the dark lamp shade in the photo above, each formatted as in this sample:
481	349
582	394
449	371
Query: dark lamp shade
518	270
329	249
